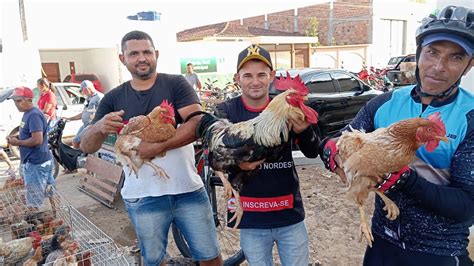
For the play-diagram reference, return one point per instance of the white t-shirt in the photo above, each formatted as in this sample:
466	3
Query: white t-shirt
179	164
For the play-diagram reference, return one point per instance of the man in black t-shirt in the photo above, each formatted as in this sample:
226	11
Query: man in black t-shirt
153	203
271	199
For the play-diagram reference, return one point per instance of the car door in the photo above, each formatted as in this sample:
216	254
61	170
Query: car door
353	93
326	100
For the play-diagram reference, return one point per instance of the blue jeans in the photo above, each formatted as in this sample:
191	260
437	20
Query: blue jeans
190	212
292	244
37	179
80	132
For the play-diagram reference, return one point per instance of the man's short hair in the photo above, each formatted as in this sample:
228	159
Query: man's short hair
136	35
189	64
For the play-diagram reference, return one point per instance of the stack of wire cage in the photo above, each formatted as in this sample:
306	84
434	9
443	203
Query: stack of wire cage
19	221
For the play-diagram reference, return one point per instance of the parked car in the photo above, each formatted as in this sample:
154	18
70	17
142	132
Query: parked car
337	96
401	70
70	102
394	62
78	78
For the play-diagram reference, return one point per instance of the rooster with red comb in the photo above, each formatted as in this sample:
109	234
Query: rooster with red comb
240	147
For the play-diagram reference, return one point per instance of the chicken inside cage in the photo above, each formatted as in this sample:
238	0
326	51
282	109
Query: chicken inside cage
53	233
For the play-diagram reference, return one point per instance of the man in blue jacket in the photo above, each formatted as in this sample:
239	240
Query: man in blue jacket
436	194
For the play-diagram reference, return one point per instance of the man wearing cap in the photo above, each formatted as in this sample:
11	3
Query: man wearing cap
90	106
436	194
36	158
275	181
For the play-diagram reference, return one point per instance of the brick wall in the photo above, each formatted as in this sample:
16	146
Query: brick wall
352	21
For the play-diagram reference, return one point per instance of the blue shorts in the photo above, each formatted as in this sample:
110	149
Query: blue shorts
79	133
37	179
190	212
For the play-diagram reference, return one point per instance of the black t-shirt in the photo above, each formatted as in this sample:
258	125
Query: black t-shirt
271	198
174	88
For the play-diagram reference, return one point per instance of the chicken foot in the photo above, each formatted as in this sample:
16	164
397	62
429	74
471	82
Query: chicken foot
157	169
133	167
226	184
239	211
364	227
390	207
125	160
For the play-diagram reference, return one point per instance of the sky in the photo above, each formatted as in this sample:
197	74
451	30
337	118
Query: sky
183	13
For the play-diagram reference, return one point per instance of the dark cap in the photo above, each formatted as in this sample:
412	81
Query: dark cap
467	45
254	52
21	92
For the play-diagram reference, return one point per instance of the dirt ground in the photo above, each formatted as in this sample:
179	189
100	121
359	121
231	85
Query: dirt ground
331	219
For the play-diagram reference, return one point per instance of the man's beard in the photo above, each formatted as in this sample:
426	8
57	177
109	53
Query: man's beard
144	75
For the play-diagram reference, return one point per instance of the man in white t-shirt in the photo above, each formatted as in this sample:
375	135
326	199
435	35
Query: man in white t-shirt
154	203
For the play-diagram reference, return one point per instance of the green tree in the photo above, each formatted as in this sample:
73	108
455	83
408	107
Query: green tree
312	30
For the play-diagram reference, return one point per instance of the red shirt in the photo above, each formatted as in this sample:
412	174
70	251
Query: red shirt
48	97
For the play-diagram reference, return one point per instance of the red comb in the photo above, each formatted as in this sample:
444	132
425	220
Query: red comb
284	83
436	119
167	105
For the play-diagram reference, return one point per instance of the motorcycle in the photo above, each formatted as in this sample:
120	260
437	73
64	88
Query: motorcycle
69	158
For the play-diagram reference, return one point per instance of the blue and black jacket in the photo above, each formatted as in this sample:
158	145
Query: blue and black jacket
437	203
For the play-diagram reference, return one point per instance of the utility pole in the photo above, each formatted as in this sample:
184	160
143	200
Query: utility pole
23	20
331	23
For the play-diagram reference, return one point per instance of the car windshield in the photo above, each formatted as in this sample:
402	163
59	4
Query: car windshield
4	94
395	60
293	72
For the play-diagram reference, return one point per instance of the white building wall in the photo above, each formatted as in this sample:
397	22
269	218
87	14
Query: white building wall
405	10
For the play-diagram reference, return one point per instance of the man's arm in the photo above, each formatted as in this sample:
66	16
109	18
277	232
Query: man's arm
35	140
185	134
76	117
308	142
96	134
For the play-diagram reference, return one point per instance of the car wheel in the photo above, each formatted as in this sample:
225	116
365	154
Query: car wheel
15	150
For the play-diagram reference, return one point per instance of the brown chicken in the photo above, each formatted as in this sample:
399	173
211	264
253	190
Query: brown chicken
368	157
157	126
261	138
35	259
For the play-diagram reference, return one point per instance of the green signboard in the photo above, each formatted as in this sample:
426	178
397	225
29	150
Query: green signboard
200	65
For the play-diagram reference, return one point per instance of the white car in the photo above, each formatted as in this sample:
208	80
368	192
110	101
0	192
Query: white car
70	102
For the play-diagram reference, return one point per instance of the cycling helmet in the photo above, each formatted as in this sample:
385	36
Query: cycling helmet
451	20
455	24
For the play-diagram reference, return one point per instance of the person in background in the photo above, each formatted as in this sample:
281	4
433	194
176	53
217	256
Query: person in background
435	194
35	156
153	204
277	181
192	77
88	113
47	101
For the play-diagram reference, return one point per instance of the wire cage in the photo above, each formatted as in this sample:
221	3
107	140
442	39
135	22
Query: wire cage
31	218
